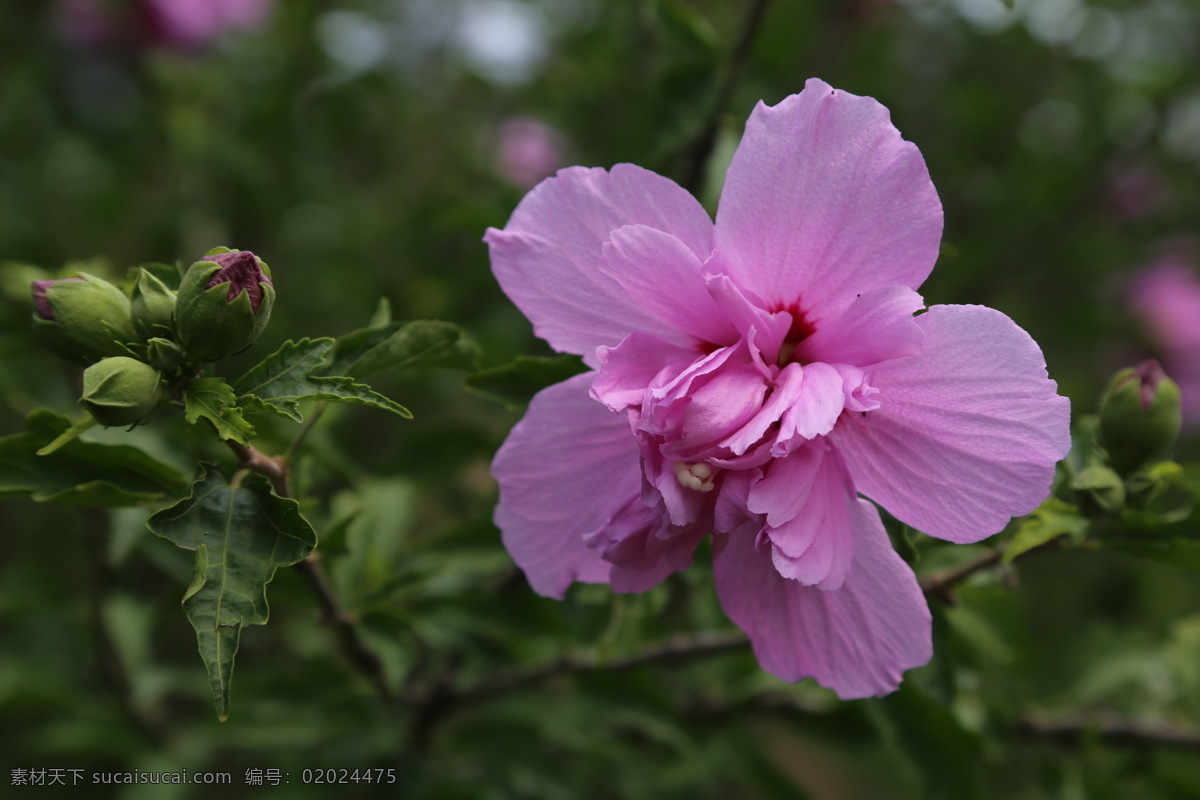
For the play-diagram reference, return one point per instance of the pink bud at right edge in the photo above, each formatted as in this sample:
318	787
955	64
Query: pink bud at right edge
1139	416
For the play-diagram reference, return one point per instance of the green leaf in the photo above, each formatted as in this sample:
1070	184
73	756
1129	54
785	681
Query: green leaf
284	378
214	400
1182	553
514	383
1047	522
78	472
242	533
84	423
933	741
382	315
403	345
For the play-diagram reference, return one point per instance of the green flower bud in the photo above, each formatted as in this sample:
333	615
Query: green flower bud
120	391
164	355
224	304
1139	416
83	319
1099	491
152	307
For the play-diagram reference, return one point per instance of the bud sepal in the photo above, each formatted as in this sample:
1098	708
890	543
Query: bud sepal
152	306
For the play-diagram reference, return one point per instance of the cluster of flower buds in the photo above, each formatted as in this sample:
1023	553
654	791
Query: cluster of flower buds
133	344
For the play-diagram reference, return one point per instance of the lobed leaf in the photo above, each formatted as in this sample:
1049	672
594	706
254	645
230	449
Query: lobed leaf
280	382
242	533
78	472
214	400
403	345
516	382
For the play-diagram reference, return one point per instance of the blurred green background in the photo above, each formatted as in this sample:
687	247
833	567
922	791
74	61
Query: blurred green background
361	148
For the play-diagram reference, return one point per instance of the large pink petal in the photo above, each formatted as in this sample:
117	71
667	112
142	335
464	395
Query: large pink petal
823	199
967	433
548	257
566	470
659	273
857	640
877	326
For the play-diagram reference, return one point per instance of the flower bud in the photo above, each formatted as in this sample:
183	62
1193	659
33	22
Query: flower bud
83	319
1139	416
164	355
224	303
120	391
152	307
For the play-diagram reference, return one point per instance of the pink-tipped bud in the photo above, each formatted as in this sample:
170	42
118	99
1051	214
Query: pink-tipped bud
223	304
1139	416
83	319
40	302
243	272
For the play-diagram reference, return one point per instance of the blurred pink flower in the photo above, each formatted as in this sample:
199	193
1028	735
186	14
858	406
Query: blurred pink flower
175	24
1166	298
192	24
750	377
527	151
88	23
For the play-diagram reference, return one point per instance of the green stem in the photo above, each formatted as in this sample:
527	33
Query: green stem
941	584
309	423
356	651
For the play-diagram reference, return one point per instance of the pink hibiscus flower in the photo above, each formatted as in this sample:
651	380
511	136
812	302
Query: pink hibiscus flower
752	376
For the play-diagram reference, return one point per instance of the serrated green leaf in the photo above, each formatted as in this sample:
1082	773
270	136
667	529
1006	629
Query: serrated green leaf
1047	522
242	533
80	473
514	383
403	345
284	378
213	399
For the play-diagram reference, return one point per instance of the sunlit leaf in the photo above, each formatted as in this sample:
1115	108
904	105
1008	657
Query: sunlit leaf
1049	521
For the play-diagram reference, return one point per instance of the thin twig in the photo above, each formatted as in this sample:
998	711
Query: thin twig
1107	729
289	455
442	699
360	655
698	151
941	584
674	650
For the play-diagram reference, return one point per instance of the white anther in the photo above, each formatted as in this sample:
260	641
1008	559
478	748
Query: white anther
695	476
